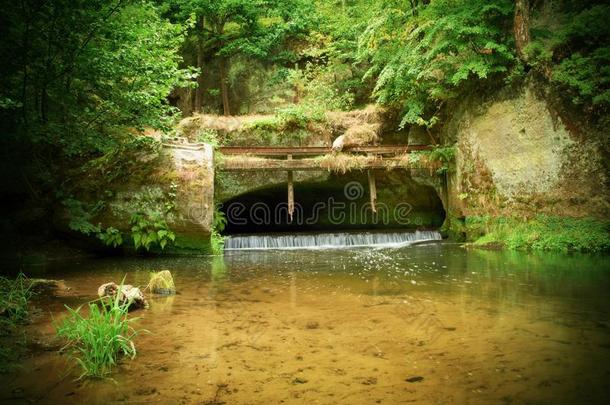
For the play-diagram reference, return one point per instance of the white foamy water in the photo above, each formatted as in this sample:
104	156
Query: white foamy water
329	240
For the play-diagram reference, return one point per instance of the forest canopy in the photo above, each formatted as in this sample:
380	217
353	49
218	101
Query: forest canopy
81	78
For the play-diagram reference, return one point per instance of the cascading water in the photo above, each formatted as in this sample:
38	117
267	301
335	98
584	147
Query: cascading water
329	240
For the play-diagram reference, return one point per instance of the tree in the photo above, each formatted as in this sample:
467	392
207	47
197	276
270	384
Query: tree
425	54
79	78
254	28
521	27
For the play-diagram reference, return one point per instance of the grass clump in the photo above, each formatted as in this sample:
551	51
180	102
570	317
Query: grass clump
546	233
98	340
343	162
14	298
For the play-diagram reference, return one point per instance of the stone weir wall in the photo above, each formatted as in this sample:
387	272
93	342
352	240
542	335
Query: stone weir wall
173	184
194	201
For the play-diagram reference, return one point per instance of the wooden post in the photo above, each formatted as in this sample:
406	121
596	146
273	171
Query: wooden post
372	188
290	192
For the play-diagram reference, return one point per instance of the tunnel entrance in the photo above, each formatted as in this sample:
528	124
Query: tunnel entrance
339	203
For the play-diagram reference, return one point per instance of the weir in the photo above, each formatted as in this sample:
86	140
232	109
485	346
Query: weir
279	177
329	240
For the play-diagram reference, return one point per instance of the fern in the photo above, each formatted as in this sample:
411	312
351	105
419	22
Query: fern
425	57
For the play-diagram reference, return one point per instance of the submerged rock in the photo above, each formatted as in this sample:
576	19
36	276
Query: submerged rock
51	287
128	294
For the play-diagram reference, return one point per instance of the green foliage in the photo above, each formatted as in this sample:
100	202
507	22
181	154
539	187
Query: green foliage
424	55
149	209
316	88
570	46
209	136
14	298
219	222
149	229
217	242
96	341
445	155
299	116
333	46
80	73
243	29
81	215
587	76
111	237
544	233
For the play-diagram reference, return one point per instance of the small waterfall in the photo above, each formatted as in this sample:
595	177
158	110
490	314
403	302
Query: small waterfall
329	240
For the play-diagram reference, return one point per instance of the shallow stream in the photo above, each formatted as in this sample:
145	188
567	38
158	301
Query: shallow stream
429	323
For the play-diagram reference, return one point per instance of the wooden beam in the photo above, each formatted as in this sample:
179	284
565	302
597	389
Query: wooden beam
318	150
290	191
260	164
372	187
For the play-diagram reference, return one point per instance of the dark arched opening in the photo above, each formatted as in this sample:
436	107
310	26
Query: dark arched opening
339	203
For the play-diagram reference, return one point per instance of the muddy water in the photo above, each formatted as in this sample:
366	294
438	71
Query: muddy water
430	324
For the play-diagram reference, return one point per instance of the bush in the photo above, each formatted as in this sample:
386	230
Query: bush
97	341
217	241
547	233
14	298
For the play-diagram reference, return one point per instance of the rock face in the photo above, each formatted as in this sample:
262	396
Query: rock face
127	294
177	182
517	156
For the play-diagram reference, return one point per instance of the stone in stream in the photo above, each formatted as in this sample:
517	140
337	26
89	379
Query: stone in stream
127	294
162	283
312	325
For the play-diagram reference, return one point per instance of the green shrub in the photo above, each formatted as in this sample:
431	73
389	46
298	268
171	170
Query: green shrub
544	233
150	229
209	136
14	298
217	241
111	237
424	54
98	340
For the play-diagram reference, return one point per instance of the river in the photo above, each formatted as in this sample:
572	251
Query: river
428	323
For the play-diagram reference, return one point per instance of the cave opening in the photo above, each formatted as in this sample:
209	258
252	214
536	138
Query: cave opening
336	204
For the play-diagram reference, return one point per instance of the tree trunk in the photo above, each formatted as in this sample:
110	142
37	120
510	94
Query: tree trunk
199	89
521	27
223	85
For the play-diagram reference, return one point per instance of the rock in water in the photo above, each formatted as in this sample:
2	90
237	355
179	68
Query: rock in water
162	282
128	294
